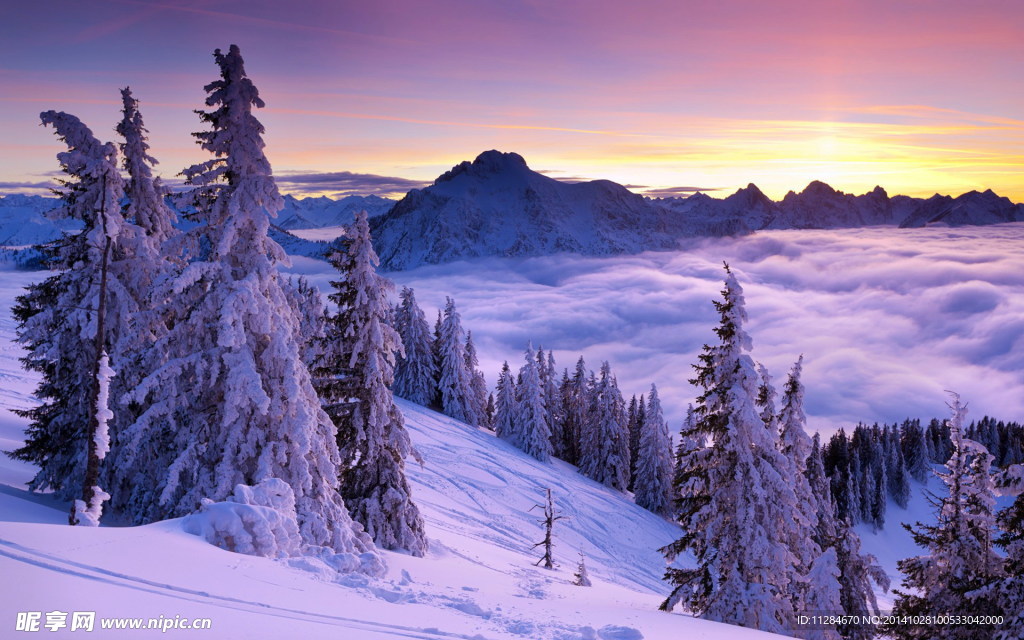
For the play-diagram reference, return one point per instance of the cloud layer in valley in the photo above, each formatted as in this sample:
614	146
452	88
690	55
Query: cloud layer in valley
886	319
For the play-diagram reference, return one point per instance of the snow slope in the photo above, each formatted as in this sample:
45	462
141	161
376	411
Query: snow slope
23	221
477	581
314	213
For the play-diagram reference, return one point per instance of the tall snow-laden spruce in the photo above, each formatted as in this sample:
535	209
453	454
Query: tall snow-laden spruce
477	384
70	321
234	393
795	446
531	417
354	377
604	441
814	537
414	371
146	206
552	397
735	506
575	404
961	561
654	468
454	379
506	408
1008	591
151	255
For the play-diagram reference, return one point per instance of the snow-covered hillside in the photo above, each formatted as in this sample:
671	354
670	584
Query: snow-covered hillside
314	213
23	221
478	580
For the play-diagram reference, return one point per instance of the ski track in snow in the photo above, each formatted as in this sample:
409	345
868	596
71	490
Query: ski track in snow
64	566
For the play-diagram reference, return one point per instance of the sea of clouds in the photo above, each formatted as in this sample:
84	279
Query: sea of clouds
887	319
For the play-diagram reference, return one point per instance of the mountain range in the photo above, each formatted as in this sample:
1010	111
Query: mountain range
497	206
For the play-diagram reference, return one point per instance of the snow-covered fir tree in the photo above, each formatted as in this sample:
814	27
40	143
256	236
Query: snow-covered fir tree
634	439
454	379
146	206
858	574
353	378
961	558
796	448
766	395
604	441
1006	593
531	417
897	478
414	371
506	408
151	255
477	384
68	321
684	471
915	450
824	590
735	506
581	578
308	305
552	397
575	407
234	394
654	468
489	411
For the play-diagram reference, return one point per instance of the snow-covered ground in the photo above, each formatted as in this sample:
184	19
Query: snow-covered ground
478	580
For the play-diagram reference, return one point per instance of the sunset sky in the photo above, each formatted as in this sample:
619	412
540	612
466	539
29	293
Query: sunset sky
666	97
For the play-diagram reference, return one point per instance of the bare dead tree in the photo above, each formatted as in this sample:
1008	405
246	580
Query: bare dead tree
549	520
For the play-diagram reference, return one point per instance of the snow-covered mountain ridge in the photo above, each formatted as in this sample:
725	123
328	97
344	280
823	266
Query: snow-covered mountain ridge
497	206
23	219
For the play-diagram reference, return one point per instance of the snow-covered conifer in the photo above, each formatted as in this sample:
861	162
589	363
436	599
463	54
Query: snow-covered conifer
414	372
506	408
146	206
915	450
552	397
308	305
234	393
634	439
796	448
70	320
531	416
604	445
1007	592
859	572
896	475
654	468
455	381
736	508
960	558
766	398
575	407
581	578
477	384
354	378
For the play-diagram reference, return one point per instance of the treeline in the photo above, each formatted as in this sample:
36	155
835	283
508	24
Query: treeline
876	462
580	416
